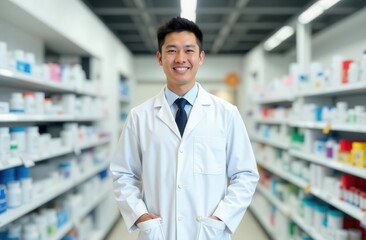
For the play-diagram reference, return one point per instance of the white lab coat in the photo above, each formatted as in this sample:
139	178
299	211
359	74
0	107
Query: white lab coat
184	179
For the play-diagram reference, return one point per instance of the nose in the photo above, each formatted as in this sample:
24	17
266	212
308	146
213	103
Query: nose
180	57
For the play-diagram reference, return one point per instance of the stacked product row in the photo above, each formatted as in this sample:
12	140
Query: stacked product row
25	63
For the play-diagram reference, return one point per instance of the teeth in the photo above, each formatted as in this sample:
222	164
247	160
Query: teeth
180	69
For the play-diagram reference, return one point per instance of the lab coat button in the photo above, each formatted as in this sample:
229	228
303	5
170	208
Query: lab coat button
181	150
199	218
180	186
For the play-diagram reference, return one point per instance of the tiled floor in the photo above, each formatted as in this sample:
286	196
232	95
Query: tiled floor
248	229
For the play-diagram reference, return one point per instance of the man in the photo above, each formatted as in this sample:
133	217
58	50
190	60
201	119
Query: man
171	175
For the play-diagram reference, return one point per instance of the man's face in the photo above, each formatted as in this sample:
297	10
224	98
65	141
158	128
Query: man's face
180	58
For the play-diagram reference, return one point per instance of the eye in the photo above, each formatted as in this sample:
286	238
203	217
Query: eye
171	51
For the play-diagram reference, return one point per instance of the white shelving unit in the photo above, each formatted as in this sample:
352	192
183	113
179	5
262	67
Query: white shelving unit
344	91
342	167
28	82
270	142
59	152
48	194
24	82
15	118
265	224
287	211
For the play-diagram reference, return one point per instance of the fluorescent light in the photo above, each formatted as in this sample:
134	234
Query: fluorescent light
276	39
327	3
315	10
188	5
189	15
188	9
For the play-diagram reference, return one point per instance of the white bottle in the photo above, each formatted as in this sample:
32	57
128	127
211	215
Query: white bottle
363	67
16	103
30	232
14	231
39	102
3	55
32	141
14	194
4	144
29	103
27	190
18	135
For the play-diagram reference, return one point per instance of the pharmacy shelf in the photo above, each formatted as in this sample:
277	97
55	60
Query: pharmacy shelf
16	118
269	142
351	210
342	167
276	202
62	150
48	194
345	89
283	174
341	205
271	121
90	205
332	127
275	100
30	83
100	234
312	232
289	213
264	223
61	232
105	188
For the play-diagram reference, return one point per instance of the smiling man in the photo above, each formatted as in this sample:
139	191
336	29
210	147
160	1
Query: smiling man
178	150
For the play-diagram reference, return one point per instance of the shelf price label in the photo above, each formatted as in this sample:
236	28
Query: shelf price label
307	189
326	128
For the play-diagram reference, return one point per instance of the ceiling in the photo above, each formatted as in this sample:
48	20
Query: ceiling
229	26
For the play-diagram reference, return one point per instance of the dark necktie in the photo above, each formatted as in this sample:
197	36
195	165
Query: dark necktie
181	116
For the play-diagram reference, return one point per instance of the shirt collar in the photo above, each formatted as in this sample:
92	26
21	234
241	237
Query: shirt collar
190	96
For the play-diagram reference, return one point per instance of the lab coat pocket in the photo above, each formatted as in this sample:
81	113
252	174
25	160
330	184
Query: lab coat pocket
209	155
211	229
151	230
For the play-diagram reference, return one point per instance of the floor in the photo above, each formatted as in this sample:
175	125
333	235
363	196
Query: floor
248	229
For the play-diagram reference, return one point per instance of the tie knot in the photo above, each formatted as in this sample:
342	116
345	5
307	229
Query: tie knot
180	102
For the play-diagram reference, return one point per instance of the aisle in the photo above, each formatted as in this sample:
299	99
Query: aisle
249	229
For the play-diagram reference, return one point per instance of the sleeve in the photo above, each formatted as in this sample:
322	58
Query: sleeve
242	172
126	168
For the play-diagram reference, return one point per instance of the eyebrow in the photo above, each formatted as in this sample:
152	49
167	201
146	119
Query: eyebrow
185	46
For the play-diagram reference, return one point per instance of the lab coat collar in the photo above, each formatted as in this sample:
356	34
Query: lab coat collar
197	113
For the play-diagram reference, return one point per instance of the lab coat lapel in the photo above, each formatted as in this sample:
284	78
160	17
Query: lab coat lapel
164	113
198	110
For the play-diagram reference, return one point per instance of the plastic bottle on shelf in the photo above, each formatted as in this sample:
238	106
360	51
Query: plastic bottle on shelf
30	232
14	231
29	103
3	55
18	134
14	194
32	141
3	197
16	103
363	67
358	154
39	102
4	144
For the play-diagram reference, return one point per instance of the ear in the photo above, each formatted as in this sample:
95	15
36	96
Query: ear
159	58
202	56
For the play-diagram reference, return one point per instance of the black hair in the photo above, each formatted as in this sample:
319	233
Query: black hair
179	24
